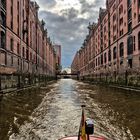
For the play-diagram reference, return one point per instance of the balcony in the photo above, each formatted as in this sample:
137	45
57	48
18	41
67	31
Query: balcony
3	4
129	15
130	27
2	19
129	4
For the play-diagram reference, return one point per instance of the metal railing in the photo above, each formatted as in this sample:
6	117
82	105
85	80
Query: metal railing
3	22
3	3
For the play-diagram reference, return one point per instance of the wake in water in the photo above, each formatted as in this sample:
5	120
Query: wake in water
57	116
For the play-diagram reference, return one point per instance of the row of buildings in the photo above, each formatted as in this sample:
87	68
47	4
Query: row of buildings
25	47
112	47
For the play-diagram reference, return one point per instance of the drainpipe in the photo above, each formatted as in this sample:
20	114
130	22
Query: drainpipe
118	29
19	79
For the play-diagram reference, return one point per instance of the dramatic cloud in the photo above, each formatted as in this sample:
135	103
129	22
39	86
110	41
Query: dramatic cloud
67	21
47	3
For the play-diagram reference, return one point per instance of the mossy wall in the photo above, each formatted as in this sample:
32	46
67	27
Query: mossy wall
127	78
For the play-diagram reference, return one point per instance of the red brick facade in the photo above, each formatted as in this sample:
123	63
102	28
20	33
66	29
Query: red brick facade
25	47
58	57
113	44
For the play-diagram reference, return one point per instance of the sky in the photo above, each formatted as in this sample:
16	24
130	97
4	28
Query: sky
67	22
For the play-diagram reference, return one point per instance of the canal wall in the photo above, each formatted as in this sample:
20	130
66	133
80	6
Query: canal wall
18	81
128	78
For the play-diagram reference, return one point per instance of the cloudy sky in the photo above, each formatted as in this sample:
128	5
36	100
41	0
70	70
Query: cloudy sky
67	21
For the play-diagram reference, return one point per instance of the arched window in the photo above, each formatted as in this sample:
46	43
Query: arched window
130	45
101	59
121	9
11	44
109	55
121	49
114	53
105	60
139	41
98	61
114	17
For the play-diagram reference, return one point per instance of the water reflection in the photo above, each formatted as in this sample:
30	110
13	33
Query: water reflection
16	108
54	111
116	111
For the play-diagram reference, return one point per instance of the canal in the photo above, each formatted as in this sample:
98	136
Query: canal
52	112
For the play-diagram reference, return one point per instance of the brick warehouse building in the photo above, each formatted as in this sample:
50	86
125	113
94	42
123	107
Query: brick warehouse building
111	50
26	52
58	57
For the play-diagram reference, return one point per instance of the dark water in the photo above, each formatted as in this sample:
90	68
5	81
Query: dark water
54	111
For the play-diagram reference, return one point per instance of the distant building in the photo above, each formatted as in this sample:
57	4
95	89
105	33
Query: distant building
57	49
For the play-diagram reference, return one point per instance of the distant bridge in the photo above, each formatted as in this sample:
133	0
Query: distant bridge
69	74
66	75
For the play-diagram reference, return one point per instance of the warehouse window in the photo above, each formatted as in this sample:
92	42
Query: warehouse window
130	45
121	49
114	53
139	41
11	44
109	55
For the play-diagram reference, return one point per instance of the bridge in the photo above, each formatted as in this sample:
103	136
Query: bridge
67	75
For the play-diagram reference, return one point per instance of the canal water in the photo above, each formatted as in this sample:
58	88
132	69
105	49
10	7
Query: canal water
54	111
